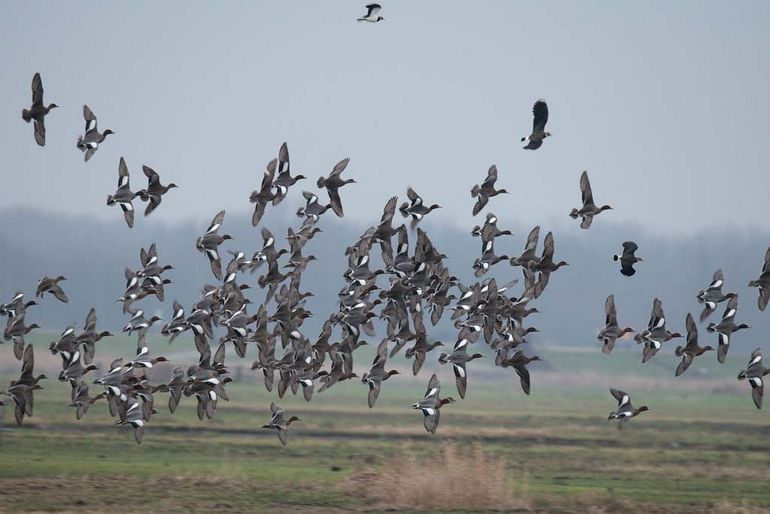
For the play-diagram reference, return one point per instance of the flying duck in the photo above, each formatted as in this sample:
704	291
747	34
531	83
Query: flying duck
21	395
280	423
655	334
89	337
377	373
38	111
372	14
540	118
123	195
89	142
763	283
589	209
726	327
209	243
713	295
754	373
529	255
312	209
130	413
627	258
82	400
611	331
415	207
546	265
691	349
519	362
490	222
488	258
284	180
333	183
419	350
51	285
155	190
625	410
459	358
431	404
484	191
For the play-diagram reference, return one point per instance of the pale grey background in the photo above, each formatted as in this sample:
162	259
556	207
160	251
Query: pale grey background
665	103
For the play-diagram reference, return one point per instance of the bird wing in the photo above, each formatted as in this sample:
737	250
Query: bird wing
90	320
657	317
766	265
216	222
548	246
90	119
39	126
434	387
37	90
622	397
340	167
686	361
717	280
481	201
413	197
431	419
611	315
389	210
692	330
461	379
532	239
123	179
585	189
283	159
540	116
153	179
731	309
28	361
629	247
372	9
491	177
523	377
336	202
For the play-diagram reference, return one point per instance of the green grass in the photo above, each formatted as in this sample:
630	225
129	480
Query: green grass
702	445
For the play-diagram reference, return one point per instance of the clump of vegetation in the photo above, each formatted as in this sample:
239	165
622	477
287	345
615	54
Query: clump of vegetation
455	478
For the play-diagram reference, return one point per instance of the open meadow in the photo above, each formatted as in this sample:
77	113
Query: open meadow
702	446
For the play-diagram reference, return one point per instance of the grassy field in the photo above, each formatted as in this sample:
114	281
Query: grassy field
702	446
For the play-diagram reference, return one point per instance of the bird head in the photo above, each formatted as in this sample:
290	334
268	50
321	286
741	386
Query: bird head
107	132
52	106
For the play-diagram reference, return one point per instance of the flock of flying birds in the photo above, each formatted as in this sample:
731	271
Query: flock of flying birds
413	284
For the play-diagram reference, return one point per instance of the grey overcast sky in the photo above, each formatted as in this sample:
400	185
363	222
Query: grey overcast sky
665	103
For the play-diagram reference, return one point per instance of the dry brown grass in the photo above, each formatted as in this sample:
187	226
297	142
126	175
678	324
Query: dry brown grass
455	479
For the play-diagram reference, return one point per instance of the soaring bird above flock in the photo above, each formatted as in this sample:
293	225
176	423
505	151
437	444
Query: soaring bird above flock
38	110
372	13
539	119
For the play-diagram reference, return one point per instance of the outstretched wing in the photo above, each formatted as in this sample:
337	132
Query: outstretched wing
611	315
585	189
90	119
540	113
37	90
